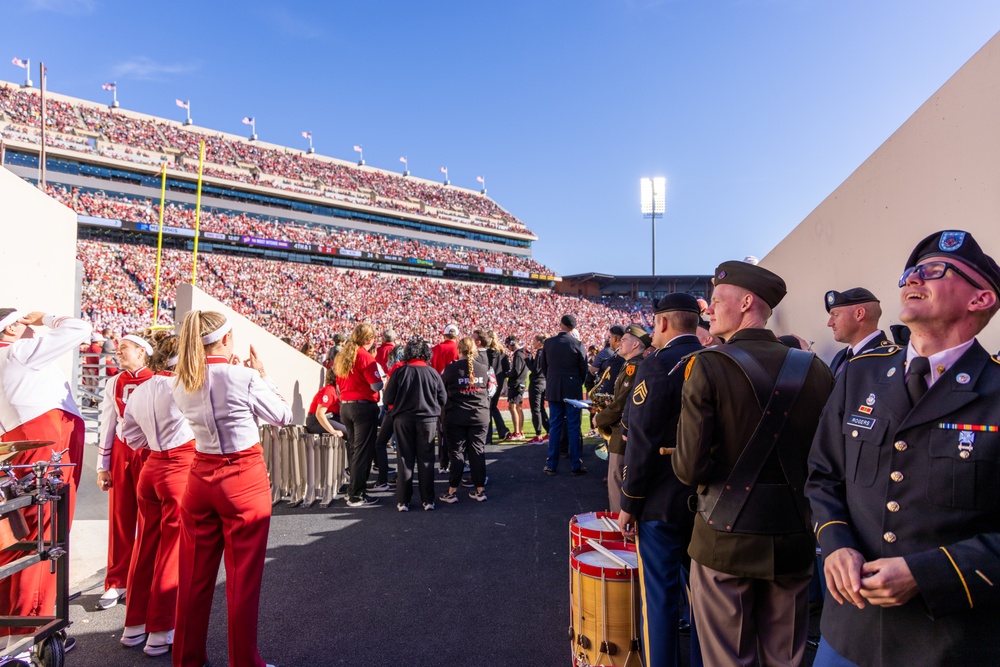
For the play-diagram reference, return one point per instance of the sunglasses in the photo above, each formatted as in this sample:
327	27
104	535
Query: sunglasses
935	271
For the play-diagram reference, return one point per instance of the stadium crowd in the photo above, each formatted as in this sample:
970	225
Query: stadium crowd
152	142
102	205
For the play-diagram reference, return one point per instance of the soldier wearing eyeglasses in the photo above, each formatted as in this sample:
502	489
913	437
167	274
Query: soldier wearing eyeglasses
904	478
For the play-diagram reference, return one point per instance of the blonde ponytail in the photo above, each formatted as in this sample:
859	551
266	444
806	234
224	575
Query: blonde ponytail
344	363
191	366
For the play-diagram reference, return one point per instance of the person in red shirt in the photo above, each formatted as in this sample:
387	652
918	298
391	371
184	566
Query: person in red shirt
386	348
360	381
324	411
446	351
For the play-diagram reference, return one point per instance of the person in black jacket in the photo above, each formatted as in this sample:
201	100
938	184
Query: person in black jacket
492	354
416	393
517	379
467	381
564	363
536	391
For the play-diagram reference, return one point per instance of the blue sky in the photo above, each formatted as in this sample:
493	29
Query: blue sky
754	110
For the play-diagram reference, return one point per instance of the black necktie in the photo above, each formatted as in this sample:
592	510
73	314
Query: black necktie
915	385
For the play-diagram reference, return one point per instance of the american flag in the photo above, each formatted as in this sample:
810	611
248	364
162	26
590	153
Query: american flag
357	148
182	104
20	63
480	179
444	170
248	120
306	135
109	86
402	159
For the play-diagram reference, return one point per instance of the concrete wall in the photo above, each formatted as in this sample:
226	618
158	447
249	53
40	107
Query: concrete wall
38	253
939	170
298	377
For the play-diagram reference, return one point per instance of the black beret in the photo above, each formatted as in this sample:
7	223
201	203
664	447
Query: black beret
765	284
850	297
568	321
617	330
640	333
963	247
677	301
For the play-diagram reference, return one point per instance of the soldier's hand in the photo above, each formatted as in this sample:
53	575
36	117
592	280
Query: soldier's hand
626	524
888	582
104	480
843	576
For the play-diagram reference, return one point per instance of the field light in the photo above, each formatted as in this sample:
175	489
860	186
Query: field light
653	200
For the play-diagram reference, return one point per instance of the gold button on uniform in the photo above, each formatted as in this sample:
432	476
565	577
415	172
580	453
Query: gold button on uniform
893	506
889	537
896	476
854	434
900	446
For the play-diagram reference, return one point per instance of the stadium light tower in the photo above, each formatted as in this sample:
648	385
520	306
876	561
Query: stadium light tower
406	166
25	64
653	195
361	154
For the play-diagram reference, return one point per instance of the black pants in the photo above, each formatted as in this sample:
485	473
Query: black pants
539	415
361	422
313	426
381	448
415	441
466	441
502	431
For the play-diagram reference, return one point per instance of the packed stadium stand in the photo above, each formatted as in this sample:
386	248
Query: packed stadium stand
304	245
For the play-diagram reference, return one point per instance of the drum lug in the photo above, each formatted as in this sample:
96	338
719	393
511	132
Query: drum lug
583	642
634	645
609	647
572	635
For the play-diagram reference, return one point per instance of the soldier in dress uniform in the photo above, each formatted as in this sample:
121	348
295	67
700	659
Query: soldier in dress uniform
904	477
653	502
749	410
854	316
634	342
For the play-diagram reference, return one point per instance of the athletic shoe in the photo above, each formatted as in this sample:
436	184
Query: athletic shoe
428	507
401	507
548	471
111	597
379	488
442	470
449	498
467	482
537	440
363	501
133	635
517	437
478	496
159	643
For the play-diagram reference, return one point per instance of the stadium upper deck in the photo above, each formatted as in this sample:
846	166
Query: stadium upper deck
110	136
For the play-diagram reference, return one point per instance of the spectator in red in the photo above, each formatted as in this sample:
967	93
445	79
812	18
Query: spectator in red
383	351
446	351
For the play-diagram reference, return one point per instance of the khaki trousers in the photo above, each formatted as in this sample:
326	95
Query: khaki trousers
615	464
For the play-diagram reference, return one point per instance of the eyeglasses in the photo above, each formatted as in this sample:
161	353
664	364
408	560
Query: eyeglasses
935	271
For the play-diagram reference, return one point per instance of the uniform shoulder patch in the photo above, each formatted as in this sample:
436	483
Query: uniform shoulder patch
640	393
630	370
882	351
687	368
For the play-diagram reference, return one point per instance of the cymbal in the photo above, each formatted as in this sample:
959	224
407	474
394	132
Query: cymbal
21	445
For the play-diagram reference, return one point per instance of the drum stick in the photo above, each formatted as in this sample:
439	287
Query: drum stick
666	451
612	526
610	554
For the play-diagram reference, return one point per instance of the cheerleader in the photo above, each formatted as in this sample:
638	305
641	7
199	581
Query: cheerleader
226	508
153	421
118	466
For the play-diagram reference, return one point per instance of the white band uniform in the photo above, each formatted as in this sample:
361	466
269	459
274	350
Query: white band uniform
10	319
216	336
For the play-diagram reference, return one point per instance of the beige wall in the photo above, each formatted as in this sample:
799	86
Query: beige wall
38	254
298	377
940	170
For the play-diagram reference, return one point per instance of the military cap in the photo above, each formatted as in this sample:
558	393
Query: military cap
640	333
568	321
677	301
963	247
851	297
765	284
616	330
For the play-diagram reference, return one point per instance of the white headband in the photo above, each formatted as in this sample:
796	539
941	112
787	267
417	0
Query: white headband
10	319
217	335
172	361
140	342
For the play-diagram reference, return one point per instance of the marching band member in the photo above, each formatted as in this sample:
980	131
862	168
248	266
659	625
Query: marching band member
226	508
36	403
153	420
118	466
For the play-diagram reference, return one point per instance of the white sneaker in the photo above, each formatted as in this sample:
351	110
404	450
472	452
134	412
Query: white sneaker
133	635
159	643
111	597
428	507
401	507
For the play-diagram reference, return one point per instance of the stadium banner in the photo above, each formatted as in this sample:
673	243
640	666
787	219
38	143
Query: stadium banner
521	274
267	243
215	236
167	229
492	271
394	258
460	267
100	222
307	247
349	253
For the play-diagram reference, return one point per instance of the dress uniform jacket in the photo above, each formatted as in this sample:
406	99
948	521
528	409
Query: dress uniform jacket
152	418
611	416
719	413
650	489
564	365
877	341
923	484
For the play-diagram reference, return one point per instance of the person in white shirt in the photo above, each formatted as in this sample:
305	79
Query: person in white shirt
226	508
154	422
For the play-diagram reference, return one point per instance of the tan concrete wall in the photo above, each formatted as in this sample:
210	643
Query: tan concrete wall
298	377
38	253
939	170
